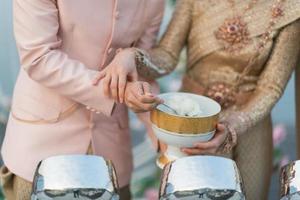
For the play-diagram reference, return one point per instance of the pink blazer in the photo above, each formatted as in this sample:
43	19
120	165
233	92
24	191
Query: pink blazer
62	44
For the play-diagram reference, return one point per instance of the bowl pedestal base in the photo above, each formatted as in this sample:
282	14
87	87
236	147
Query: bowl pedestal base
172	153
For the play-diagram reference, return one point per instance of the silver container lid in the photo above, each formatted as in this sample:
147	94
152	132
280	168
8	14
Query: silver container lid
290	181
201	177
75	177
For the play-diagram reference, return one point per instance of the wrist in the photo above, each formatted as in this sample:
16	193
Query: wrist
239	121
129	52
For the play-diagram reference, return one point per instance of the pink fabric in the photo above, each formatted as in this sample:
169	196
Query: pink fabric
62	44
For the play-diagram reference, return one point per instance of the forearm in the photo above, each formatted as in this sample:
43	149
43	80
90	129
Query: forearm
163	59
155	63
69	78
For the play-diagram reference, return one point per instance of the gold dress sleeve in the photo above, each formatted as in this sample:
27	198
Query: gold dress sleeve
272	82
163	59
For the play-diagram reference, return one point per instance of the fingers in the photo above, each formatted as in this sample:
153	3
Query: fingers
199	151
106	83
138	105
147	88
131	103
122	87
148	99
137	100
193	151
196	151
140	89
221	127
122	82
147	96
114	87
135	104
98	78
211	147
216	142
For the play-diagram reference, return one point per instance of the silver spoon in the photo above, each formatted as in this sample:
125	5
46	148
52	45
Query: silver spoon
170	108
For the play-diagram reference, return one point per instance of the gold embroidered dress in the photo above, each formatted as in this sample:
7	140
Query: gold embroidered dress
217	61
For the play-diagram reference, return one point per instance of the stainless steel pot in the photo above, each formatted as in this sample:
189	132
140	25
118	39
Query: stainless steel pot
75	177
290	181
201	177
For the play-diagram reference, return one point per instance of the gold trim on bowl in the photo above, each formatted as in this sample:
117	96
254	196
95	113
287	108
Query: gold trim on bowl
184	125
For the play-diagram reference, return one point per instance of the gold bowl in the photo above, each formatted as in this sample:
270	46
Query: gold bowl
162	118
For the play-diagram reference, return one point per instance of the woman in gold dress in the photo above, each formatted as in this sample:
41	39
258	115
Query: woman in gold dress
242	54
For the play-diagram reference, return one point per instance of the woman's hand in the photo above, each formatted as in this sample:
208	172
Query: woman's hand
117	73
139	98
211	147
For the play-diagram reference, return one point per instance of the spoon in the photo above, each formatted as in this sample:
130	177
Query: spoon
170	108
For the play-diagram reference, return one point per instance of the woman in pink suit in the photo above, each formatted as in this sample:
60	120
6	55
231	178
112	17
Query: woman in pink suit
56	109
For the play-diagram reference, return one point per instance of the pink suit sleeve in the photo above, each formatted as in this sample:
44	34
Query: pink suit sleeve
36	26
